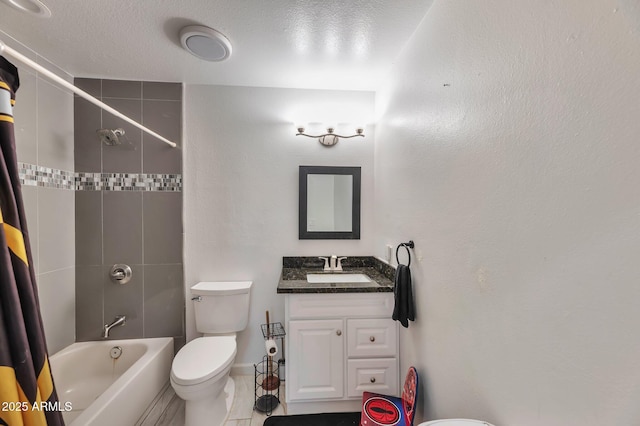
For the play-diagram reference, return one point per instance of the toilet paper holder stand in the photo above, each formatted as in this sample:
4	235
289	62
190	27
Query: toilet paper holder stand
268	373
274	330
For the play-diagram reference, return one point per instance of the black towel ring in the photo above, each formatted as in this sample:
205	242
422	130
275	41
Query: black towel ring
407	246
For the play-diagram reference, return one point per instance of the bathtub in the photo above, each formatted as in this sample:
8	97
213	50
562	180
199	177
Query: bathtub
99	390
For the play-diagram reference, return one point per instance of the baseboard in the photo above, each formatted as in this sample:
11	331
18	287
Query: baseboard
242	370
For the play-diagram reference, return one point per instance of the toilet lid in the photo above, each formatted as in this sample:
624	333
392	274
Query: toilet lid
203	358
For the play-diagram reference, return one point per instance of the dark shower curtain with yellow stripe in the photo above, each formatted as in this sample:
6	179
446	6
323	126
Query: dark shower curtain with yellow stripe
27	394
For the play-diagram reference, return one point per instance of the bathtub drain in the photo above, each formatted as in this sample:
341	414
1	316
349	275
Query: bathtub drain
115	352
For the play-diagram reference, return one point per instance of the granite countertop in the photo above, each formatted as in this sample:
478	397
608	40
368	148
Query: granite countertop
295	269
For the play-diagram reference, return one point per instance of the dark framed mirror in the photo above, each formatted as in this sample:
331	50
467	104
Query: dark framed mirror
329	206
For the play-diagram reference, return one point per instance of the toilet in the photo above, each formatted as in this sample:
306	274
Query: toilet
200	370
455	422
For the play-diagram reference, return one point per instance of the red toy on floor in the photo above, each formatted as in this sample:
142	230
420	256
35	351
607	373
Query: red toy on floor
385	410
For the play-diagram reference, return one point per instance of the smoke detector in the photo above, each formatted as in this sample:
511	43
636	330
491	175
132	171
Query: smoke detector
205	43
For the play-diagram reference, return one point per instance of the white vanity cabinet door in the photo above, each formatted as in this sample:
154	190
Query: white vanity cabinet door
315	359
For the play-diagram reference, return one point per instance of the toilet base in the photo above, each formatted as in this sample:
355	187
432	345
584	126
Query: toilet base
211	413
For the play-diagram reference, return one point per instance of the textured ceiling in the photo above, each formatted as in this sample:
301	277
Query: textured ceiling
323	44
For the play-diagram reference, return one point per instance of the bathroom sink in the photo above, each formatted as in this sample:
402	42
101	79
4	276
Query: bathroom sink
358	280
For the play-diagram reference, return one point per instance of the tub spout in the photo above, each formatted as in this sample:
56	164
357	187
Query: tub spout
120	320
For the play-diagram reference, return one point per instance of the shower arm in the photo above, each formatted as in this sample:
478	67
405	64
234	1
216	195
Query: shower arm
4	49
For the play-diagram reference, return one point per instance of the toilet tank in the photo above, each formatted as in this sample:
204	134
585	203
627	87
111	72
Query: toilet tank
221	306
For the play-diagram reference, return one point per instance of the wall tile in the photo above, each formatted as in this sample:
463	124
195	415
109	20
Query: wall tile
88	227
108	181
162	224
44	136
163	117
164	91
55	127
154	300
56	292
55	69
121	89
89	299
163	301
124	299
88	153
90	85
56	223
122	227
128	156
25	119
30	201
21	48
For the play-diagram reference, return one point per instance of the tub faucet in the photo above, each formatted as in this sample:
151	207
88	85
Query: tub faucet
120	320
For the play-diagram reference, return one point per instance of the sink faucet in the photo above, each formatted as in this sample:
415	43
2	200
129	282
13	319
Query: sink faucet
120	320
332	263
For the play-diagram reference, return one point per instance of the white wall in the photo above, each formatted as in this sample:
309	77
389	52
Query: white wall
512	127
44	136
241	161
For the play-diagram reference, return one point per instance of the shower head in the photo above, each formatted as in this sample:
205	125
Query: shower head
111	137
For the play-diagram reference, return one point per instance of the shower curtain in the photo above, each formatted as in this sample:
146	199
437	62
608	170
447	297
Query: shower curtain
27	393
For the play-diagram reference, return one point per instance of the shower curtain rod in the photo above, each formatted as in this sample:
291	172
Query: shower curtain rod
4	49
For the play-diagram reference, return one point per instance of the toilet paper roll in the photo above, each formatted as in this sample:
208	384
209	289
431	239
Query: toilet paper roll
272	348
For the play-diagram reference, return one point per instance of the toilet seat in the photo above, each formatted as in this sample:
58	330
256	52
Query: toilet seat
202	358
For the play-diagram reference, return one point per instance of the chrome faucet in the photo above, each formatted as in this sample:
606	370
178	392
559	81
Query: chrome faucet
120	320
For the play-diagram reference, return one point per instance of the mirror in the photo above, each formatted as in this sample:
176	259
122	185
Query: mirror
329	203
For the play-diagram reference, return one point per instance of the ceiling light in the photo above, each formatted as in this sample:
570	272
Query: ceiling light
34	7
205	43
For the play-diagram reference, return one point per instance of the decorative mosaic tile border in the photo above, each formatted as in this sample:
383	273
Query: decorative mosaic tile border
33	175
127	182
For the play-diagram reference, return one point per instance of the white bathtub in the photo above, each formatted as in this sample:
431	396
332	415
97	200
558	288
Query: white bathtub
106	391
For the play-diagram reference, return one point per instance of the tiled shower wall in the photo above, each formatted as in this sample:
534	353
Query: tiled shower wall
133	216
44	139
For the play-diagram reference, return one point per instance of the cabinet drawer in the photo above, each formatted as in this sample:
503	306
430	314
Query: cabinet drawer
375	337
372	375
334	305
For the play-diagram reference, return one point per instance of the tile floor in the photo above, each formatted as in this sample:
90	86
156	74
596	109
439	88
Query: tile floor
241	414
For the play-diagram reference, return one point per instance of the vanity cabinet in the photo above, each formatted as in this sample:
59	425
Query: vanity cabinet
337	346
315	359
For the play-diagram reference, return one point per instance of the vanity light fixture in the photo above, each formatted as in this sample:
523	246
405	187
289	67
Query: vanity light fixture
329	138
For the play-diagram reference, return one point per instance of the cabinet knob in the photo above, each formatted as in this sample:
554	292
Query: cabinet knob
372	338
372	380
339	332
